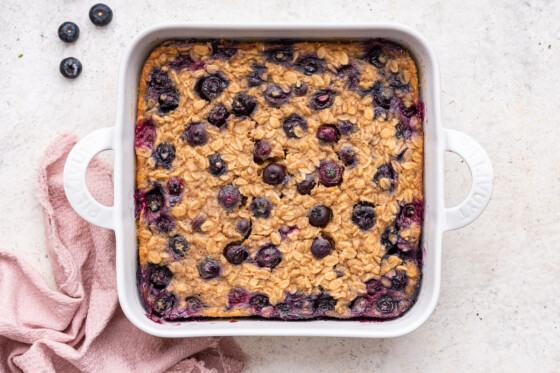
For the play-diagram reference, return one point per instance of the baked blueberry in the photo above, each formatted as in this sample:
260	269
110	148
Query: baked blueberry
268	256
383	96
168	100
237	296
322	99
70	67
261	207
185	61
320	216
411	213
385	171
229	197
403	131
290	124
348	156
100	15
164	155
276	96
398	281
175	186
363	215
243	227
346	127
352	75
310	65
360	305
285	230
196	134
155	199
261	151
178	246
160	276
259	301
300	89
306	185
376	56
243	105
324	303
223	51
255	78
328	134
158	82
197	222
193	305
165	223
385	304
236	253
145	133
373	286
274	174
68	32
163	304
389	238
218	116
330	173
396	81
321	247
210	86
281	54
209	268
217	166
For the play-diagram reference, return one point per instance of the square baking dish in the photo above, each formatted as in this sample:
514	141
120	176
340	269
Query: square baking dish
120	217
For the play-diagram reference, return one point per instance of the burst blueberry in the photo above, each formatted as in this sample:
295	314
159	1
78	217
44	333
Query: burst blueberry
310	65
175	186
237	296
185	61
155	199
165	223
193	305
163	304
210	86
217	166
218	116
229	197
145	132
282	54
268	256
363	215
346	127
348	156
243	105
300	89
209	268
306	185
352	75
255	78
324	303
223	51
261	151
385	304
261	207
291	123
322	99
385	171
196	134
376	56
160	276
276	96
168	100
383	96
259	301
178	245
164	155
197	222
328	134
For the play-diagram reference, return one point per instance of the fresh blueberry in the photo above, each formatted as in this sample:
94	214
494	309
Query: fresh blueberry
259	301
352	75
210	86
223	51
330	173
243	227
282	54
276	96
145	133
163	304
328	134
160	276
321	247
385	304
229	197
348	156
243	105
70	67
403	131
178	246
268	256
411	213
193	305
209	268
196	134
197	222
285	231
383	96
376	56
155	199
306	185
100	15
255	78
261	207
262	151
363	215
236	253
300	89
322	99
290	124
164	155
385	171
217	165
345	127
165	223
310	65
218	116
185	61
175	186
274	174
68	32
324	303
168	100
320	216
373	286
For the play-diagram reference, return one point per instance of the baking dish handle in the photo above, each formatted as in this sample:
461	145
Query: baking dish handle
74	178
482	178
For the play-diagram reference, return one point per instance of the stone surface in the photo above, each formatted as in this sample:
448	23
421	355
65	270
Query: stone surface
499	303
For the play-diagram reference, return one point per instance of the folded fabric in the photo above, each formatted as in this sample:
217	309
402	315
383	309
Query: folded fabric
80	327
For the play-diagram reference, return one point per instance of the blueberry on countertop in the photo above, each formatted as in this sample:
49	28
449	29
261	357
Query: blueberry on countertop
70	67
100	15
68	32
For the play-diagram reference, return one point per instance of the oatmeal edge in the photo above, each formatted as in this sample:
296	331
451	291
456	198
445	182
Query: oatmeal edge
374	109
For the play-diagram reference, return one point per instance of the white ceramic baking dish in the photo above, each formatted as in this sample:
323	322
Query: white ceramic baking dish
120	217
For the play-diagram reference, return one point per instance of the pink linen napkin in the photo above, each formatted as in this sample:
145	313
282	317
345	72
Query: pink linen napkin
81	327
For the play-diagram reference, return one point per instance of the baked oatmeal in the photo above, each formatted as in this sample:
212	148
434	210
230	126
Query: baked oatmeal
279	179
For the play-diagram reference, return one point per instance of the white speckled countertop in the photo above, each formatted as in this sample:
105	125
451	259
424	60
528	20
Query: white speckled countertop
499	303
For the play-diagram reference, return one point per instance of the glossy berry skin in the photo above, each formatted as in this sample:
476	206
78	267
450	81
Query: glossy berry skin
168	100
100	15
164	155
363	215
229	197
328	134
330	173
217	166
243	105
290	124
321	247
306	185
218	116
274	174
209	268
196	134
385	304
276	96
261	151
322	99
268	256
178	245
255	78
346	127
68	32
320	216
210	86
280	55
70	67
310	65
261	207
300	89
235	253
243	227
160	277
